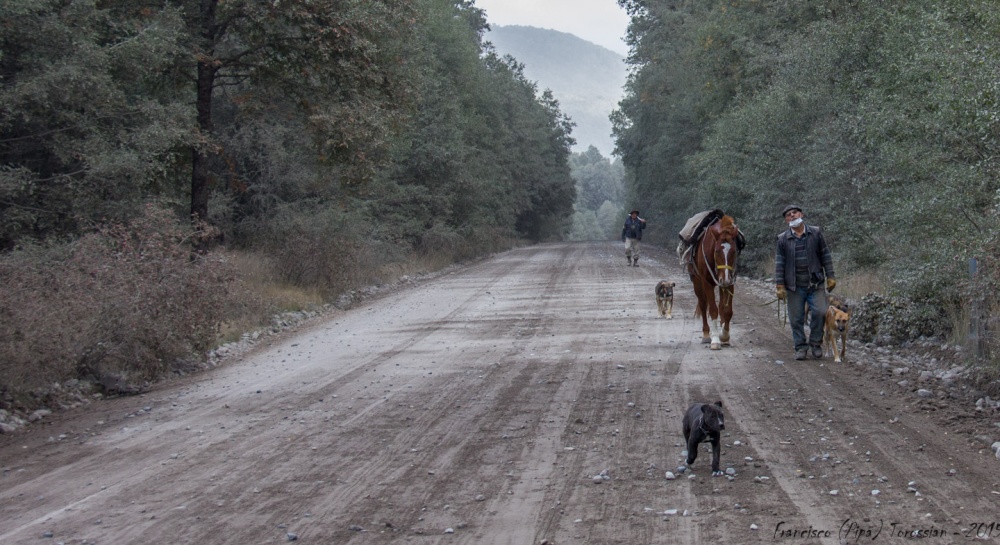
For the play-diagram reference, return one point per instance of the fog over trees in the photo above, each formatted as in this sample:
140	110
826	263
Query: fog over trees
586	78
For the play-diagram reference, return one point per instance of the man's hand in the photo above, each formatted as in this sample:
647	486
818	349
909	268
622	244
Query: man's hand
780	291
830	284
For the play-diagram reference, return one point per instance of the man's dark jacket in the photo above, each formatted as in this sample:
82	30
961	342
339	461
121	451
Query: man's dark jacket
633	228
820	260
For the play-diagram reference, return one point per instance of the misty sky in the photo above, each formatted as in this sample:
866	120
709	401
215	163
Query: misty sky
599	21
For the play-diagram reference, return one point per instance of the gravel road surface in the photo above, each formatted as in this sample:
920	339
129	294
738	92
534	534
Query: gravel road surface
535	397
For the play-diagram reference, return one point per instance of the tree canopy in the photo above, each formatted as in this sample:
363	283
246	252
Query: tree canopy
236	111
879	118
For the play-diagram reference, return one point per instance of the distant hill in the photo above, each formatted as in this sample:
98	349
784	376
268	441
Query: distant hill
585	78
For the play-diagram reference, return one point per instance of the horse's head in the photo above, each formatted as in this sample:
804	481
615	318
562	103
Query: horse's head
726	251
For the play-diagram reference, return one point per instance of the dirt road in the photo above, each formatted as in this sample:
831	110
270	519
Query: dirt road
479	407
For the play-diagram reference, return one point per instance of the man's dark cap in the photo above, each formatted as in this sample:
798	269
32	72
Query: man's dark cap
789	208
634	212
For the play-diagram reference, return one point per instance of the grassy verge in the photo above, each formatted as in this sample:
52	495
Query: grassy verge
127	305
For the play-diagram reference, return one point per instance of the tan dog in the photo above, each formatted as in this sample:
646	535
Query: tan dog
665	298
838	317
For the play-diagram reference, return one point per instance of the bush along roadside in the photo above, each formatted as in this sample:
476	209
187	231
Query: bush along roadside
18	411
901	342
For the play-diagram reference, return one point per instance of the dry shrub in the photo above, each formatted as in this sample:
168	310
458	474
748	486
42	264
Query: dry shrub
126	301
764	267
261	275
981	339
440	241
326	249
423	263
977	324
485	240
851	283
320	248
446	245
892	320
263	294
856	284
45	307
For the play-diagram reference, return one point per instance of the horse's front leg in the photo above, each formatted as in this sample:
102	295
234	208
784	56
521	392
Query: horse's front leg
703	310
699	295
726	313
713	310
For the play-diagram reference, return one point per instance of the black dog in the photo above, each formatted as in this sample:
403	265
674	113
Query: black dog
703	422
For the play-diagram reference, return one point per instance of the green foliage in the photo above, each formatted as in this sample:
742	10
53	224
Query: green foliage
894	320
597	178
485	151
340	139
88	129
600	194
878	118
252	105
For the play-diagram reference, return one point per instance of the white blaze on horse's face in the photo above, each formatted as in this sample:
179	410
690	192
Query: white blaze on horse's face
725	270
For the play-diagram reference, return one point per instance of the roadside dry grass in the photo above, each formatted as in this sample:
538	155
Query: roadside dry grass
853	284
856	284
263	294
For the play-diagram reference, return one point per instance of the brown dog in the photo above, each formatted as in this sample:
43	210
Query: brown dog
665	298
838	317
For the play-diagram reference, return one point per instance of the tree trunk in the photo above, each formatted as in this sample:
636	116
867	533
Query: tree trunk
200	175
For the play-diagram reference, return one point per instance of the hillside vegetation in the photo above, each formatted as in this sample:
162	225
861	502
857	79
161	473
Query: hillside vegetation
172	171
881	119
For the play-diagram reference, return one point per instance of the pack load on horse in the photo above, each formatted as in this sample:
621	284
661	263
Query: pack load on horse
693	229
710	246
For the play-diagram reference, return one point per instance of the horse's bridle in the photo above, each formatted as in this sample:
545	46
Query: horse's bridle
715	276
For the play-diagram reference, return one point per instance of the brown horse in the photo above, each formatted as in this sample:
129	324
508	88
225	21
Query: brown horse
713	264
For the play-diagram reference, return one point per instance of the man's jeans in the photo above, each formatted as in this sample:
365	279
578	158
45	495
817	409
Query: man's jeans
797	300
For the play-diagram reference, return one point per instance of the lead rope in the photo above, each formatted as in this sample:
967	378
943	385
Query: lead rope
715	277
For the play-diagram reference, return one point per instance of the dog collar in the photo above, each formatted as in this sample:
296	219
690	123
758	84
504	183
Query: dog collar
701	424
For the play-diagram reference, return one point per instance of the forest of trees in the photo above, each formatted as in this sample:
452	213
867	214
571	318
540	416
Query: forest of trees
171	171
880	118
153	154
599	209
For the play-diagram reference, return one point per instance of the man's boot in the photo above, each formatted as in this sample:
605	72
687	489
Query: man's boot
635	262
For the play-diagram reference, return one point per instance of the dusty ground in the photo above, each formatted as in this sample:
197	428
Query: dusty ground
478	408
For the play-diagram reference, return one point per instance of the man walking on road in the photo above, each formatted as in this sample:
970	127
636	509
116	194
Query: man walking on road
803	274
631	235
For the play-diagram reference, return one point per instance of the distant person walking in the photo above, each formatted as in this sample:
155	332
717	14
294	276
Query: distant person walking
803	274
631	235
